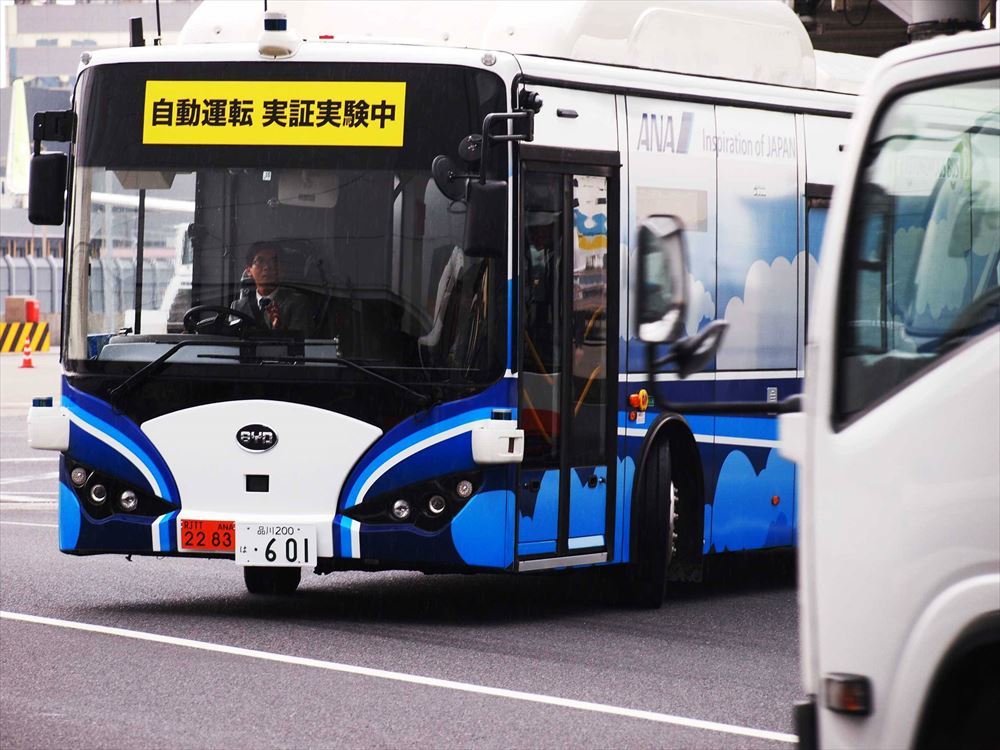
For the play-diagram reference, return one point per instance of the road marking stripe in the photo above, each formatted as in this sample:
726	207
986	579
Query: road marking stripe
53	459
25	523
464	687
24	498
29	478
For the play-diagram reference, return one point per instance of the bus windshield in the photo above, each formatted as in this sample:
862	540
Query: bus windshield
349	249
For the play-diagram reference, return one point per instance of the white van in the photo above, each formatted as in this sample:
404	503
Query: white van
898	448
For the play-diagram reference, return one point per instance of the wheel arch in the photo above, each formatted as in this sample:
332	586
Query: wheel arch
976	649
685	460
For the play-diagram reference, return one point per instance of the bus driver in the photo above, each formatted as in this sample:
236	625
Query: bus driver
274	307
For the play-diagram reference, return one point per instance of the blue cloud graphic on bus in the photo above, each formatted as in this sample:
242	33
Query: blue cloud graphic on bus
742	514
701	306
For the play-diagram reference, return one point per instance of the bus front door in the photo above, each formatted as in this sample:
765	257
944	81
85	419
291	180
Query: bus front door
568	362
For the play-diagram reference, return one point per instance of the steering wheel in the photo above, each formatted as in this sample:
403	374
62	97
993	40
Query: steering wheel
194	324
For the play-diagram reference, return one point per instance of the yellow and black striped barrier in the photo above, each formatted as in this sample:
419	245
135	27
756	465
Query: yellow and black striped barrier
13	336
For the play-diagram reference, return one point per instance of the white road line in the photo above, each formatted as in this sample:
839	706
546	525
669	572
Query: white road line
41	498
53	459
29	478
25	523
465	687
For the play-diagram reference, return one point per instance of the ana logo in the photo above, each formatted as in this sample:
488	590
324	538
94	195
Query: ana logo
658	133
256	437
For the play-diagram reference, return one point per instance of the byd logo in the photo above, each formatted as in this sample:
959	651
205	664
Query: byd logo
256	437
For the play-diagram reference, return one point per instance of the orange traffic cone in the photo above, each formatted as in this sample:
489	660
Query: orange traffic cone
26	355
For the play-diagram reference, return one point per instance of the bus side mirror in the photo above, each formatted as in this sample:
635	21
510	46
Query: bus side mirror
692	353
486	219
47	188
663	280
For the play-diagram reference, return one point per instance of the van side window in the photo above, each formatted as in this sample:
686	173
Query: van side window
922	272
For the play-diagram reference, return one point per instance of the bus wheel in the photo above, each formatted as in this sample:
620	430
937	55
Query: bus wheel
652	521
272	581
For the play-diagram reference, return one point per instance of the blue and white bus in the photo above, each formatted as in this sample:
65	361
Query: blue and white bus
454	220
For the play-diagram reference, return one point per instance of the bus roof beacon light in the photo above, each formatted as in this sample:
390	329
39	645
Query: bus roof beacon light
276	41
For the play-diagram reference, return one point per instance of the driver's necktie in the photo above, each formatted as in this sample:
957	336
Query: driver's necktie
270	310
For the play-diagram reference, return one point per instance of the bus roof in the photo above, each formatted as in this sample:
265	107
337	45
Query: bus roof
748	40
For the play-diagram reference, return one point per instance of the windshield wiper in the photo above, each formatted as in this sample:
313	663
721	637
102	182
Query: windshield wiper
118	393
422	399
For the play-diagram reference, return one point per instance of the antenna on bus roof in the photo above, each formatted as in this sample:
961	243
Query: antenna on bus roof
159	34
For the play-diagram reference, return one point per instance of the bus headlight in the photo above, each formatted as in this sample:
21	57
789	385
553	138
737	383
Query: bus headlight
128	501
78	476
98	494
401	510
436	505
464	489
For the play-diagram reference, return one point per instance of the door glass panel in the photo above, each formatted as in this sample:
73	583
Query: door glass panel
543	241
540	413
589	325
588	346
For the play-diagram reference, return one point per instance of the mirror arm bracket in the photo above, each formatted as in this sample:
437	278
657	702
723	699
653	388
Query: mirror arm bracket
52	126
488	137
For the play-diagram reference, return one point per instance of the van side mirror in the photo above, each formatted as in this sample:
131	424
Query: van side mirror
663	279
47	188
486	219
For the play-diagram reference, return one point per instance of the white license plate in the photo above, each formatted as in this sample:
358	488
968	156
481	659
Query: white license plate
277	544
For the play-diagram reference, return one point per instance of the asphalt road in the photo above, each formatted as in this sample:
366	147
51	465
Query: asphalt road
371	660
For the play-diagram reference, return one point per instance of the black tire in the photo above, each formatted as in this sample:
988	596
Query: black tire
272	581
652	526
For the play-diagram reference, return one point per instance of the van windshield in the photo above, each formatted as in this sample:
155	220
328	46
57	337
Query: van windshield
924	269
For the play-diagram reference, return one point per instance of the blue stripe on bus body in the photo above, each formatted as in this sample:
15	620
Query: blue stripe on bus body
754	428
446	457
97	454
70	518
412	439
341	536
99	414
166	527
500	395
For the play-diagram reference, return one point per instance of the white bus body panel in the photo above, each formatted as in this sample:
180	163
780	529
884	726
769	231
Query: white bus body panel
594	127
307	466
689	36
899	528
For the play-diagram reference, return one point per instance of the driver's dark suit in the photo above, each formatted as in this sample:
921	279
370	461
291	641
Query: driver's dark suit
289	309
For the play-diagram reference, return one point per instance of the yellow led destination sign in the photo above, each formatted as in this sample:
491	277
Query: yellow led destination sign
274	113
